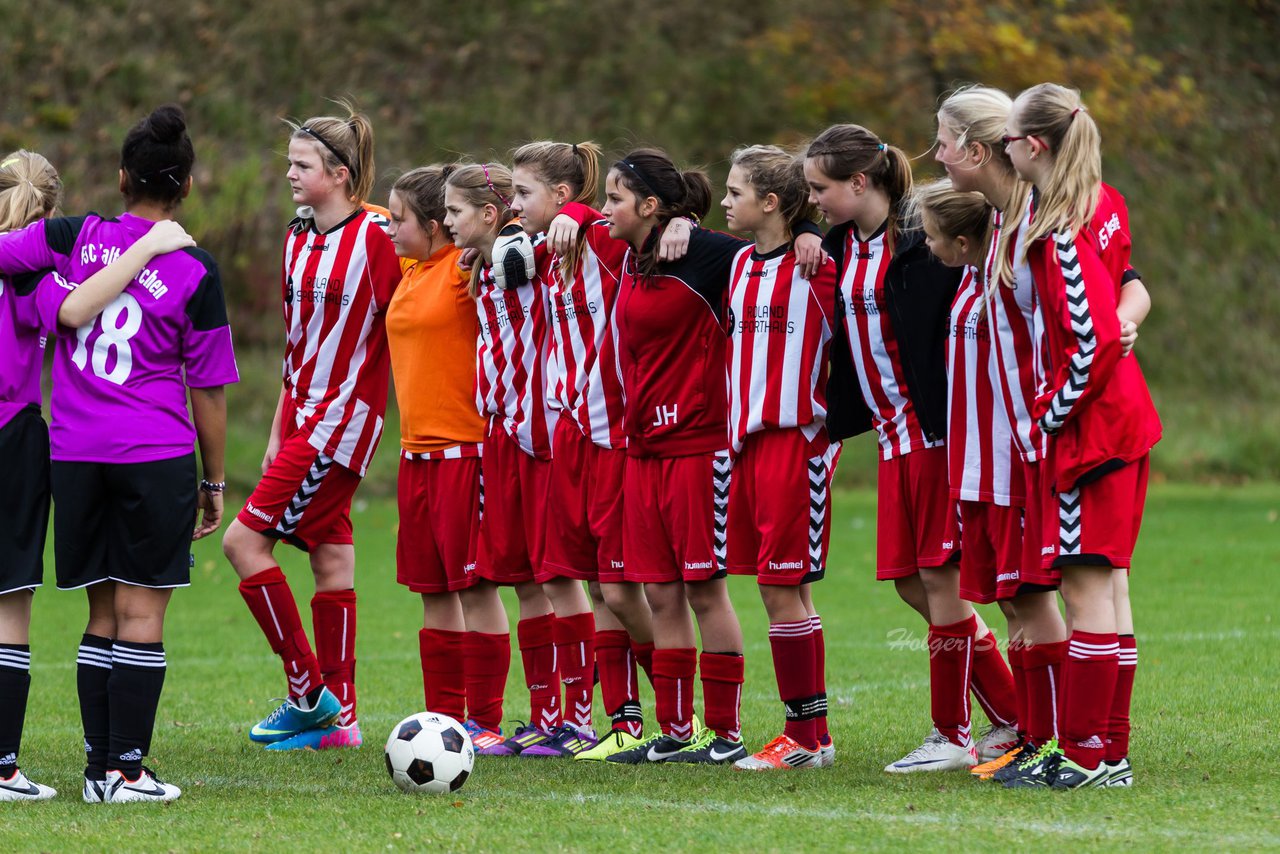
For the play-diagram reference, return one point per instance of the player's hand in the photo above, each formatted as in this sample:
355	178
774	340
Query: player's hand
810	255
467	259
562	234
273	448
167	236
513	264
209	511
674	244
1128	336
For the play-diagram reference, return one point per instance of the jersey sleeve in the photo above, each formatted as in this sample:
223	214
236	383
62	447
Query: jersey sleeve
582	214
610	250
711	255
384	267
823	284
50	293
1088	315
43	245
208	356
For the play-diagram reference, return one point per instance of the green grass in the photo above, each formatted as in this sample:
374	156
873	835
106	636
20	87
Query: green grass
1205	724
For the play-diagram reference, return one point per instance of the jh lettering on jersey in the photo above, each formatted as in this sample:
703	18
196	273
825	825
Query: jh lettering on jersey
666	415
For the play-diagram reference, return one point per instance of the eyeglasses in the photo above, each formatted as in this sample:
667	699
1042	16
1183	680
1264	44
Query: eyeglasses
1009	140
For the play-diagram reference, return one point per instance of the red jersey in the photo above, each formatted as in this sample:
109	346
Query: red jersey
588	382
1097	407
979	440
1017	338
672	350
874	347
779	344
336	287
512	363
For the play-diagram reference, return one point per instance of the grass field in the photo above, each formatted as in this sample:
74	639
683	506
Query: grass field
1204	709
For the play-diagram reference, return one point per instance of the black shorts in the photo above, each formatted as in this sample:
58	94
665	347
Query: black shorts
126	522
24	500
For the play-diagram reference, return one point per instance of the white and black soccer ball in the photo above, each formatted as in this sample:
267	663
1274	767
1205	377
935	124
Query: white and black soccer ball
431	753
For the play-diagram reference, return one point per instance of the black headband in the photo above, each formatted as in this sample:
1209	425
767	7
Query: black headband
644	181
335	152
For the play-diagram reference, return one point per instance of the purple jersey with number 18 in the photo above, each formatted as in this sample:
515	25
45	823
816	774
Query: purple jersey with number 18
120	381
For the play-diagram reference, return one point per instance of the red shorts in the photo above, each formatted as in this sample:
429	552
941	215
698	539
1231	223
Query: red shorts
780	508
1097	523
584	504
990	551
304	498
1033	529
916	520
513	510
675	525
439	500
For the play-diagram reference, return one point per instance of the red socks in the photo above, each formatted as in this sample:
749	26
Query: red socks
1042	665
722	676
486	658
272	604
1092	663
950	662
575	638
333	618
673	671
643	653
820	668
538	652
619	690
1118	725
443	685
992	682
794	666
1019	684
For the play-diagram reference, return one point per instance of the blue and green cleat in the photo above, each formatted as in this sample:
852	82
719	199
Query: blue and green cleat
289	719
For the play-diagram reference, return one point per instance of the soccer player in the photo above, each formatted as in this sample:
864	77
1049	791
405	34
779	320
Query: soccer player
340	271
889	373
1099	419
431	332
128	497
779	521
511	381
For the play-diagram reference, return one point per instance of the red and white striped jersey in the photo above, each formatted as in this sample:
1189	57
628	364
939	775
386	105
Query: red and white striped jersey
875	349
979	438
779	344
513	364
1017	337
336	287
588	382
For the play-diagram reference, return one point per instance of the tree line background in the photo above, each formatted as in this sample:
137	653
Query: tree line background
1185	93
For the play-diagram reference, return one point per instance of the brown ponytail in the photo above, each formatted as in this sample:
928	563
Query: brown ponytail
650	173
842	151
344	142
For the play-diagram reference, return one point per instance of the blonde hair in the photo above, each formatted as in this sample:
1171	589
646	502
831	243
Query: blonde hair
1056	115
842	151
770	169
956	213
30	189
480	185
977	115
343	142
577	166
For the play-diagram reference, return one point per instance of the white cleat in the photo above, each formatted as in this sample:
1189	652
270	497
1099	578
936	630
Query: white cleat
19	788
936	754
827	755
121	790
996	742
95	791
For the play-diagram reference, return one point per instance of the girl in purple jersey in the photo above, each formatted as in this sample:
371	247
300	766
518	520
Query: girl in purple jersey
29	191
128	498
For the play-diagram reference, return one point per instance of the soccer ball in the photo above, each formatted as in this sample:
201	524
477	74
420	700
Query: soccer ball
432	753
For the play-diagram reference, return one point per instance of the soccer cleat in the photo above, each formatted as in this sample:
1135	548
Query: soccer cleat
525	736
782	753
1072	775
95	791
656	748
826	753
323	738
289	720
988	770
146	787
1037	771
614	742
936	754
487	742
996	742
708	748
20	788
566	741
1121	773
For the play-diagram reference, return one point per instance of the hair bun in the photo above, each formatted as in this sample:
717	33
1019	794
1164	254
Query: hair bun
167	123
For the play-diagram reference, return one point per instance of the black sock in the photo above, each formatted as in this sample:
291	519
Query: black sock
93	669
15	684
137	677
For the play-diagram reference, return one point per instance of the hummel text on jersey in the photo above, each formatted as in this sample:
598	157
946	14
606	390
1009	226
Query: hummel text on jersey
786	564
266	517
698	564
666	415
